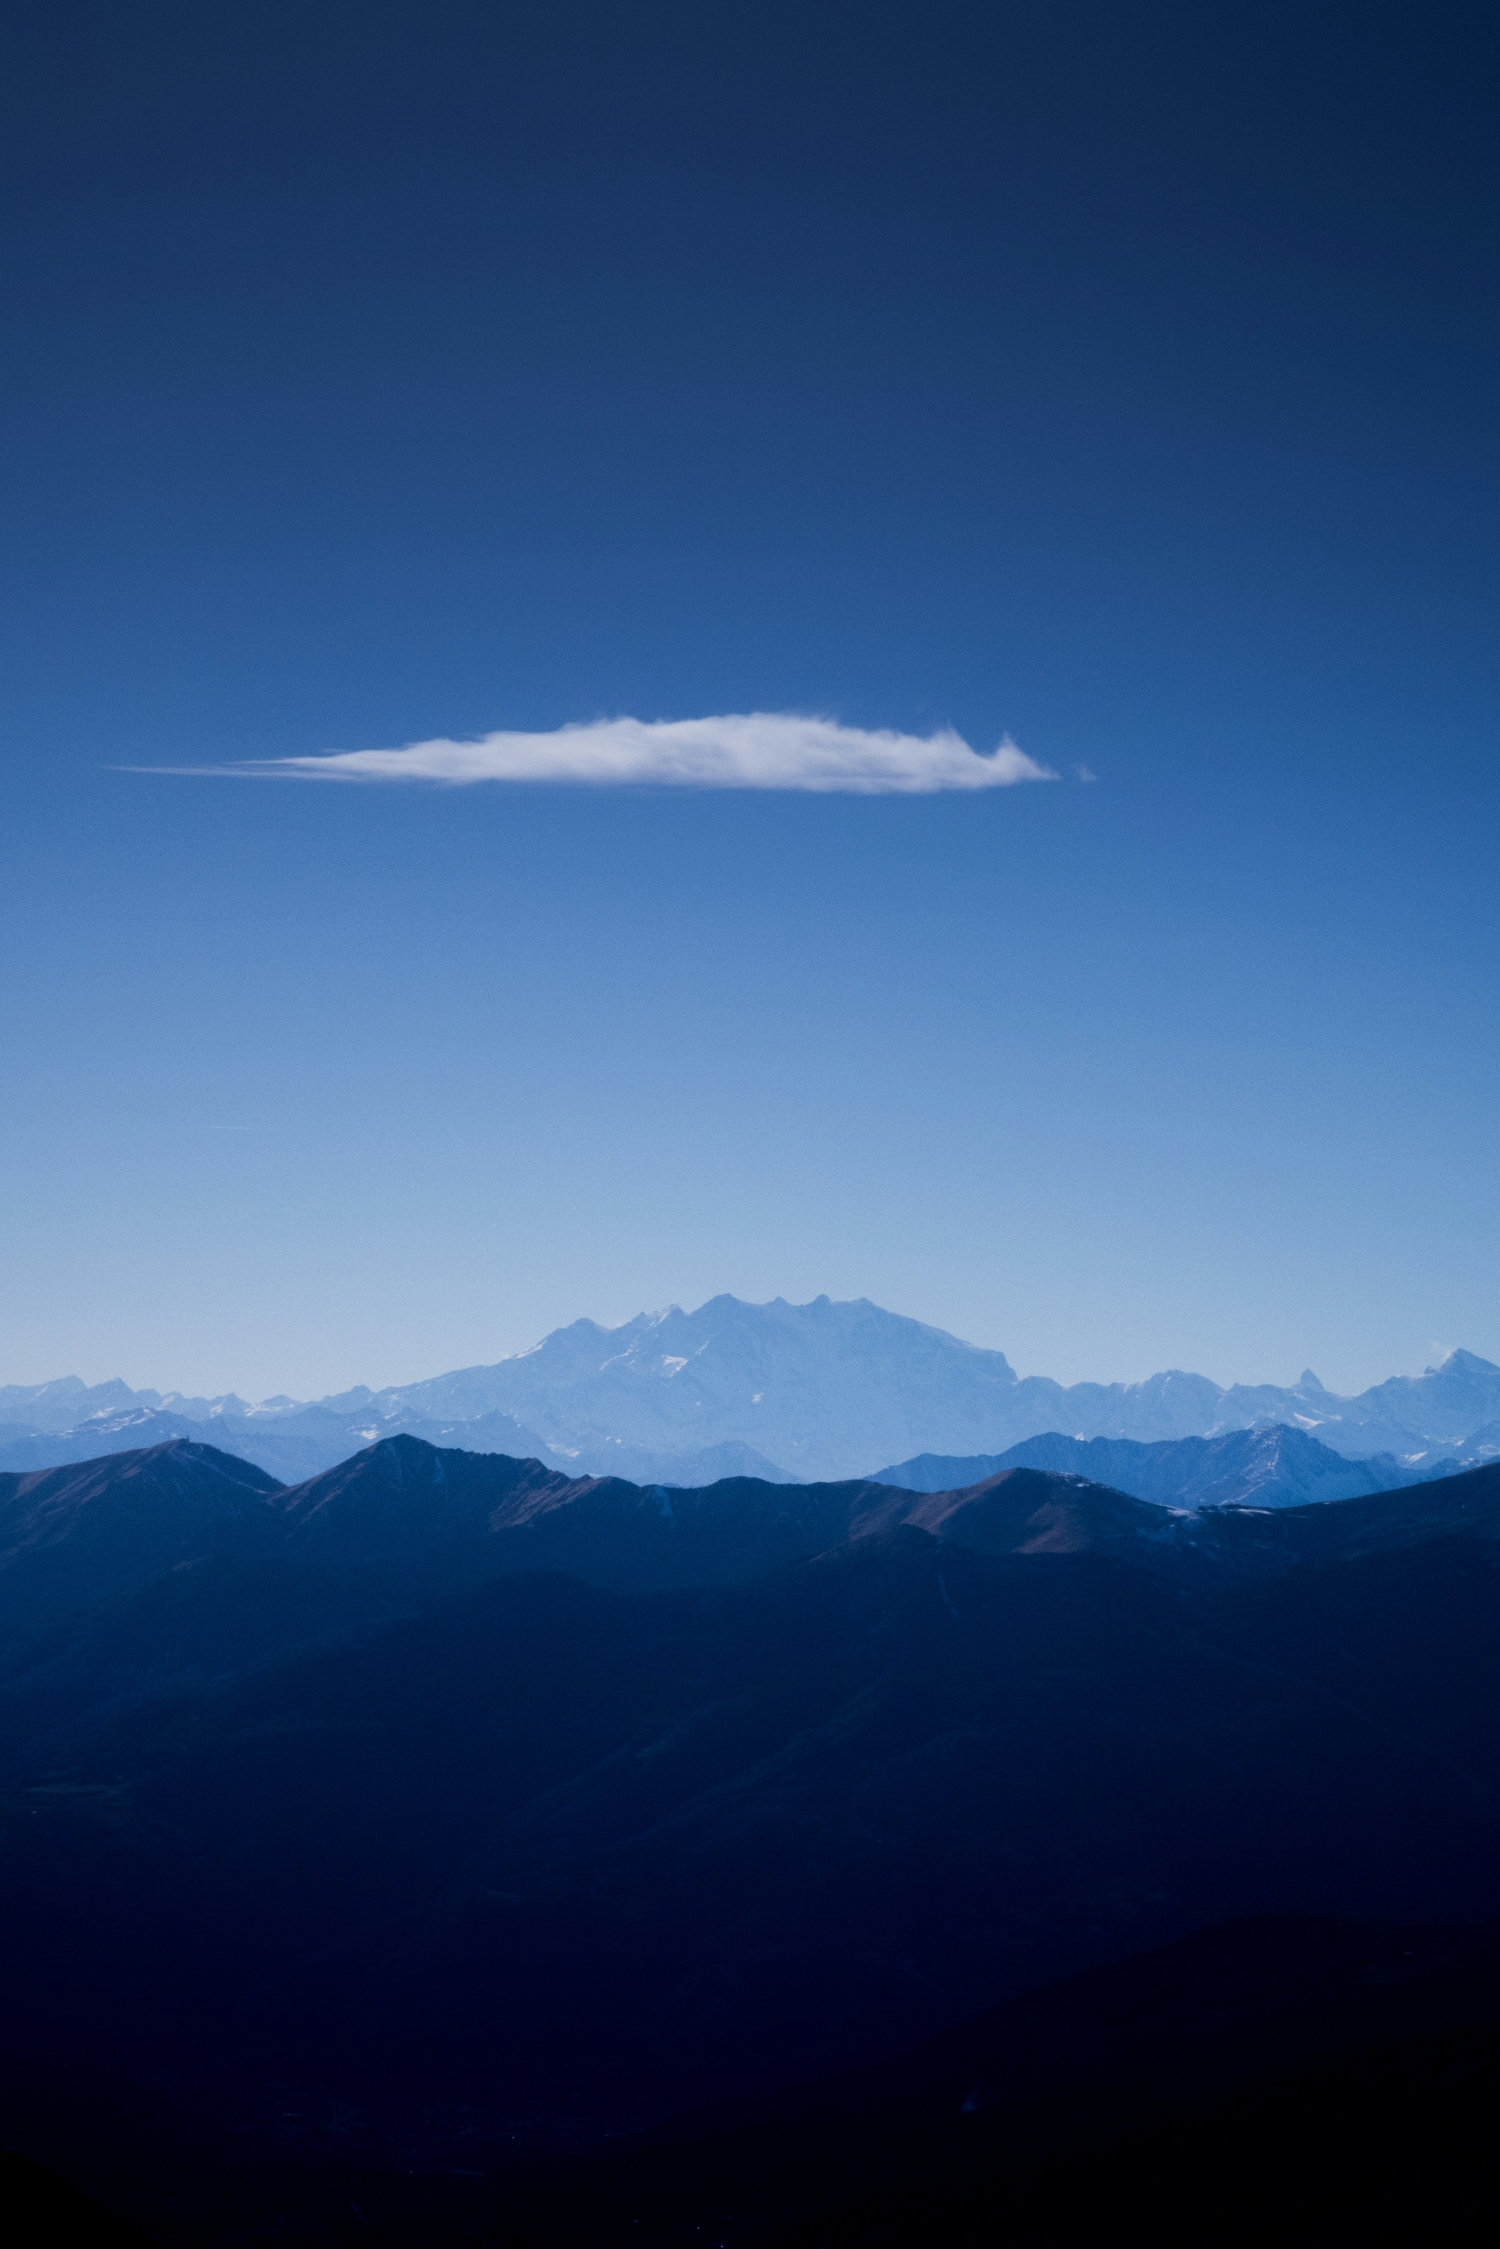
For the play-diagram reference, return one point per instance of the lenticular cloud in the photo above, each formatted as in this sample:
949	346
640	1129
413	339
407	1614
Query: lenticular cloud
757	750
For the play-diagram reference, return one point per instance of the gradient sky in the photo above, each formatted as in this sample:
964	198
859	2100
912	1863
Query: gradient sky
1120	379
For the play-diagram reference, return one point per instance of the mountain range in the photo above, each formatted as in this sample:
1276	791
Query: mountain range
405	1521
780	1391
1269	1466
449	1809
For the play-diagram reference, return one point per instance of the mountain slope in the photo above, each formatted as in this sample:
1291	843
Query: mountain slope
73	1535
604	1852
1348	2072
404	1521
1463	1507
357	1826
1344	2072
1267	1467
408	1520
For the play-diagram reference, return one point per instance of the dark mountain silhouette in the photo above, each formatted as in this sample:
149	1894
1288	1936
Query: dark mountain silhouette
408	1518
458	1797
1021	1511
72	1535
1258	1541
780	1774
404	1520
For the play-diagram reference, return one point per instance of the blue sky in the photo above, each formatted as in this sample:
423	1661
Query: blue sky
1121	381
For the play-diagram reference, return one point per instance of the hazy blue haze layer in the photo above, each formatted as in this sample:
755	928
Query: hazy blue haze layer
781	1391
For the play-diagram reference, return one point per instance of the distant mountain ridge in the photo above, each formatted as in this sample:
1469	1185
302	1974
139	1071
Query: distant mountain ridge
795	1392
1266	1467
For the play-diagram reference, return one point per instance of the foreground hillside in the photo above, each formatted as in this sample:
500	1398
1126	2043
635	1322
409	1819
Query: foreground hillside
471	1805
1286	2074
1282	2075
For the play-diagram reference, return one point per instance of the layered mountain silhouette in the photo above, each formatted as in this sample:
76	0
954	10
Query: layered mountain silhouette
290	1444
775	1390
444	1795
405	1518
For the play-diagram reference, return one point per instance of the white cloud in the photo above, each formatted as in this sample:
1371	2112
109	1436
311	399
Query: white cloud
756	750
